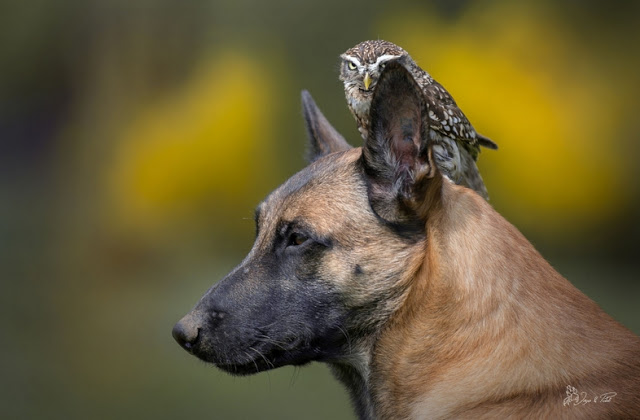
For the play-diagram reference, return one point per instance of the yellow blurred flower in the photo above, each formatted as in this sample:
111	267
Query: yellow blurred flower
208	143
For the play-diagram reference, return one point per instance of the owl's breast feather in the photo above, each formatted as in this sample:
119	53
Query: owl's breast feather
360	107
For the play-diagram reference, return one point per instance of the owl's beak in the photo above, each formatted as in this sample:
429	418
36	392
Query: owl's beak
367	81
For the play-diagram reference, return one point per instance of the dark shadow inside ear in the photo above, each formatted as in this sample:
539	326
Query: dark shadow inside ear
396	154
323	138
397	137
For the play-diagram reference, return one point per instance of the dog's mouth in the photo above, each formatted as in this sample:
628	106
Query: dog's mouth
259	356
259	362
248	368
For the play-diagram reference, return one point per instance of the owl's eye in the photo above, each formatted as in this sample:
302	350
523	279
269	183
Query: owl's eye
382	65
351	66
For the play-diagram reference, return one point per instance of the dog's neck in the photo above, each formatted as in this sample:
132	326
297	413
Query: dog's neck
354	373
478	310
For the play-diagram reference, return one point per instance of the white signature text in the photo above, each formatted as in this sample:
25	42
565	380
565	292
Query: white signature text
579	398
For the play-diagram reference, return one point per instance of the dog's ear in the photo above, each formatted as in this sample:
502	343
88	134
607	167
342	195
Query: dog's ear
323	138
397	157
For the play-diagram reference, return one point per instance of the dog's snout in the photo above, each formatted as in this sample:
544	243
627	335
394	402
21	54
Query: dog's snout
185	333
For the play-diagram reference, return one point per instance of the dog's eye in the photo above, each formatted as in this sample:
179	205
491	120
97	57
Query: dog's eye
297	239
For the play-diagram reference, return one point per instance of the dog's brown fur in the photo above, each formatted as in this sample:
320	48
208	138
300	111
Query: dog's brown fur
445	310
491	329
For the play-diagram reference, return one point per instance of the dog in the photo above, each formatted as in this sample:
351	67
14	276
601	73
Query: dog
420	297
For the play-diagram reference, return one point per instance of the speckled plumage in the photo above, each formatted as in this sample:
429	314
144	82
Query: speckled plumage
456	144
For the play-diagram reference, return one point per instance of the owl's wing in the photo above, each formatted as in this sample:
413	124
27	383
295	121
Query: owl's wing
448	119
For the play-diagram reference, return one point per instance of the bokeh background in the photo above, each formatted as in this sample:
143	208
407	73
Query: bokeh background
136	138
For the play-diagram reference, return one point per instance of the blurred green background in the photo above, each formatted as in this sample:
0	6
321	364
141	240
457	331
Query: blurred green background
136	138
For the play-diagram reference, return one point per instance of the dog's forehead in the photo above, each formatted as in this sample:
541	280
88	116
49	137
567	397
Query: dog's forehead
330	187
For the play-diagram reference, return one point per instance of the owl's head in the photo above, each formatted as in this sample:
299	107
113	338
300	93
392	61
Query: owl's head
361	65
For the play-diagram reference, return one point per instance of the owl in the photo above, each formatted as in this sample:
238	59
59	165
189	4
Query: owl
456	144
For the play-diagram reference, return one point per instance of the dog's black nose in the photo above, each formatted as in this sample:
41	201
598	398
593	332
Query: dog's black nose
185	333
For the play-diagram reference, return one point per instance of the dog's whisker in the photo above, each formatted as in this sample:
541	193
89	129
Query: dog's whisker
267	339
253	360
263	357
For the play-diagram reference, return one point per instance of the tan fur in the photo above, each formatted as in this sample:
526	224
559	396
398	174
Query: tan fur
481	326
490	329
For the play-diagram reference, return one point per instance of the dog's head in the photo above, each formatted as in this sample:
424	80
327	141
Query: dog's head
335	248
